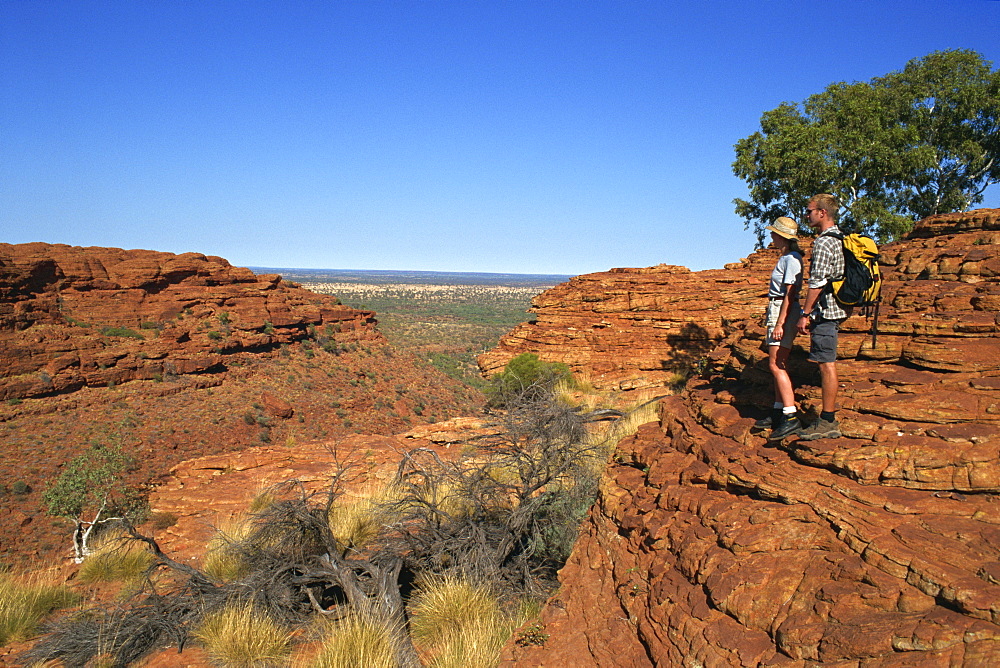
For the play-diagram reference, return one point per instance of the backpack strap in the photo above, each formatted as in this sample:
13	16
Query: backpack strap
828	288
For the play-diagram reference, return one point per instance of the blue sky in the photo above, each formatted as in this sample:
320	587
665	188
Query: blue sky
525	136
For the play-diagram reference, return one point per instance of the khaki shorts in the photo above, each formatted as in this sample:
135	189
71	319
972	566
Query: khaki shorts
791	322
823	340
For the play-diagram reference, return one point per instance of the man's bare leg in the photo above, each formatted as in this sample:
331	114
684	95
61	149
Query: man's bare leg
828	374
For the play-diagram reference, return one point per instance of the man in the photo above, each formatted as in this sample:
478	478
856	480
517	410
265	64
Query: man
821	314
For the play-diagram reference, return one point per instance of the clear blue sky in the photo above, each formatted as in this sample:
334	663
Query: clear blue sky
470	135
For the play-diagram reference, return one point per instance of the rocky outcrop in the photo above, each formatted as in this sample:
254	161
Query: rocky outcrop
635	328
75	317
708	546
630	328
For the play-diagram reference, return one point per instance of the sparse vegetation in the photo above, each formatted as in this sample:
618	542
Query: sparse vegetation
446	325
480	535
26	600
121	331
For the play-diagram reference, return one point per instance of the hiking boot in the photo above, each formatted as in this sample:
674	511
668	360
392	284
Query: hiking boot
766	422
786	427
821	429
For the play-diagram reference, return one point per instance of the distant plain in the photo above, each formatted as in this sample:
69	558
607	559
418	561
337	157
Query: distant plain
445	318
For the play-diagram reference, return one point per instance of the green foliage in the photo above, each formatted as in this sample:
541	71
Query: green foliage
90	479
525	375
121	331
910	144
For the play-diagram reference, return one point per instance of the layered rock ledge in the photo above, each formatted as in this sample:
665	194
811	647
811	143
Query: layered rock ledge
708	546
74	317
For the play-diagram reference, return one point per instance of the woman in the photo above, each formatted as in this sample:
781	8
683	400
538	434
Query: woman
783	311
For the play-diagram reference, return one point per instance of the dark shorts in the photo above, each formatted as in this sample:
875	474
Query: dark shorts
823	340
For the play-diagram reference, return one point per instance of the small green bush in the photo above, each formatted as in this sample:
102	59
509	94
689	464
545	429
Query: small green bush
525	377
90	479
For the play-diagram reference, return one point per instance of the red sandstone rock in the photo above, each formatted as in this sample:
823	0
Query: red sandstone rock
276	407
73	317
708	547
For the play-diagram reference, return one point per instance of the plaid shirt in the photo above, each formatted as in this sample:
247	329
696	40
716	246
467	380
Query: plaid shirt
826	265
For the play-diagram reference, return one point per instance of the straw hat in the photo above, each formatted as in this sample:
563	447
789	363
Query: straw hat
784	227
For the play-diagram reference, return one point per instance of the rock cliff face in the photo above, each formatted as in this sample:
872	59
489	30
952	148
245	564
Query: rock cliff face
75	317
709	547
634	328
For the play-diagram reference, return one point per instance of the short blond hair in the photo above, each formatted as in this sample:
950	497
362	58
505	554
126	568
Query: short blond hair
828	203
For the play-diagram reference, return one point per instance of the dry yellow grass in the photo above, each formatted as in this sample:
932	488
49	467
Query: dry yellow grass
459	624
26	599
262	498
357	640
355	521
116	558
239	636
221	562
636	415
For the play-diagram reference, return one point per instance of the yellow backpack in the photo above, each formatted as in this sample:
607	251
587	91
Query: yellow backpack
862	281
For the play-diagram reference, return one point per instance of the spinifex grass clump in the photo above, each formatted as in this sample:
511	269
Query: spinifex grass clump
359	639
25	600
356	523
240	635
459	624
223	560
115	558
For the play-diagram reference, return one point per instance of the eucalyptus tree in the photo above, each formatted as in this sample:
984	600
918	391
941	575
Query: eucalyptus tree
912	143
